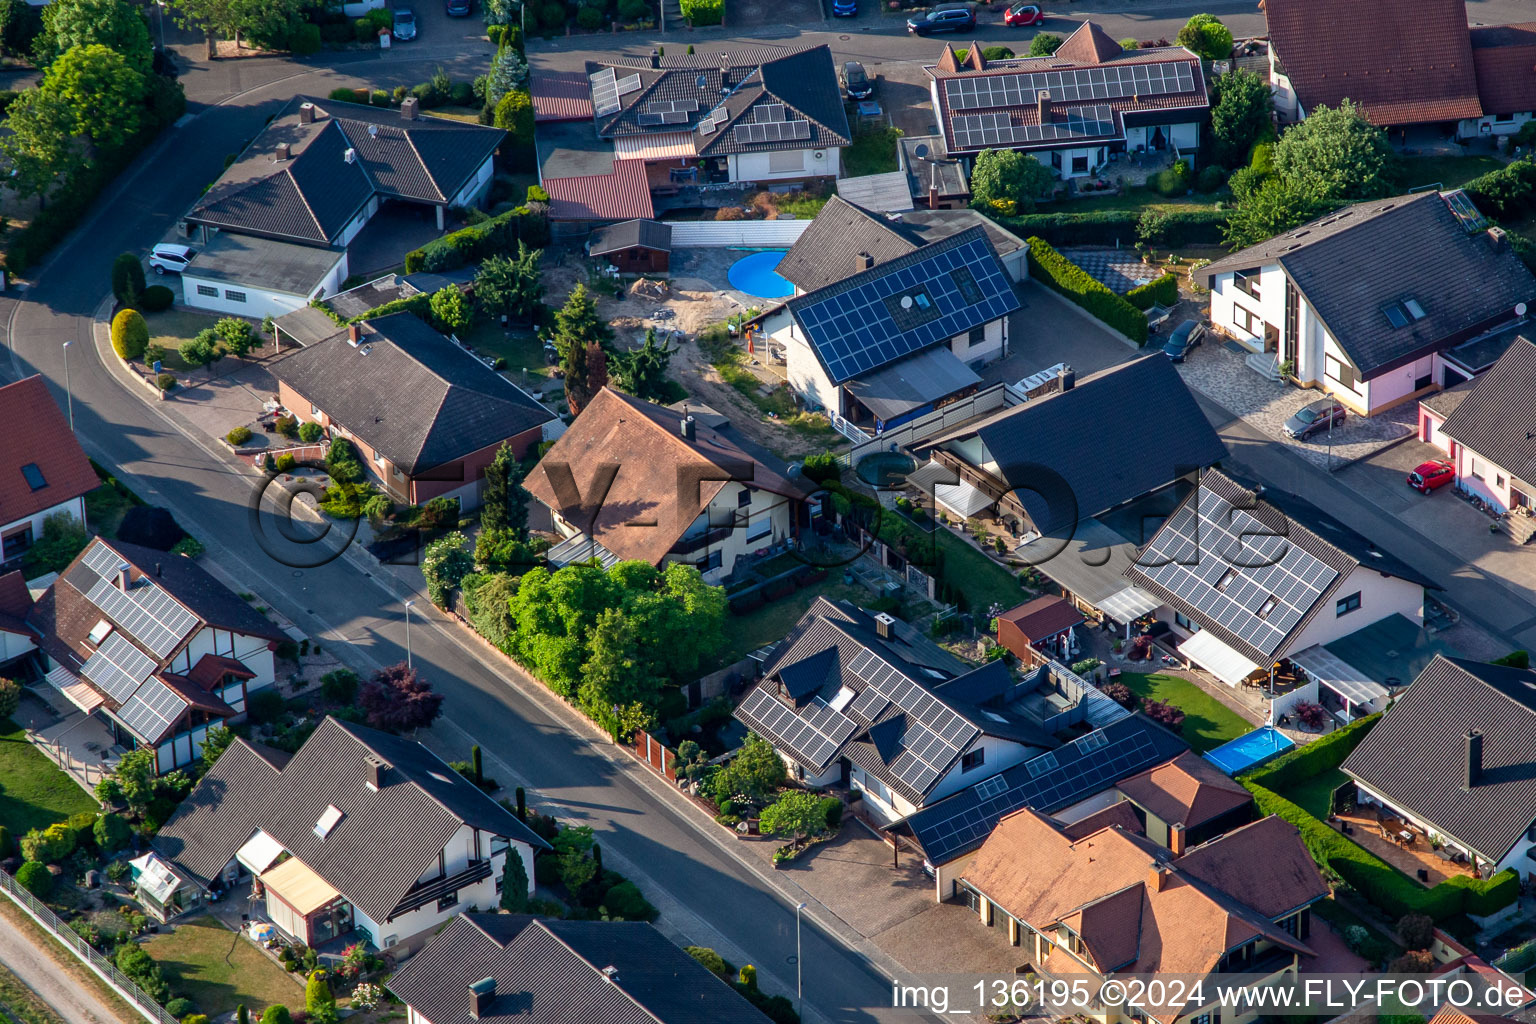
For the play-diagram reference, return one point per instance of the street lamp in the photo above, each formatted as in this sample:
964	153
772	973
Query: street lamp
69	392
408	606
799	988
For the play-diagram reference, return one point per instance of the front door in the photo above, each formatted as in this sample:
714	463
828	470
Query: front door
1271	338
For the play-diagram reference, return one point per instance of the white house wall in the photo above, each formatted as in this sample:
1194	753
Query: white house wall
75	507
997	754
761	166
1487	479
1396	385
1269	308
990	347
252	651
258	302
1380	596
359	222
1493	124
474	191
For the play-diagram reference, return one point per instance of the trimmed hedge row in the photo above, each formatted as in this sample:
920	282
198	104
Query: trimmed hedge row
1312	760
1508	191
1108	227
1160	291
1056	271
497	234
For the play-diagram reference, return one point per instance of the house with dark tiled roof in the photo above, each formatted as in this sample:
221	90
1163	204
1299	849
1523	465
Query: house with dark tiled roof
153	645
1454	757
1374	303
1074	109
306	187
513	969
1091	907
45	471
425	415
360	831
1504	59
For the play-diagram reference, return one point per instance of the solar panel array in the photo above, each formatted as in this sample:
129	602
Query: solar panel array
779	131
1081	776
118	667
854	330
665	117
628	85
814	735
103	561
1234	571
152	709
935	734
672	106
714	120
148	614
973	131
1070	85
768	112
605	92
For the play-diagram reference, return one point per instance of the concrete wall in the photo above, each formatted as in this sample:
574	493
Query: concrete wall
775	166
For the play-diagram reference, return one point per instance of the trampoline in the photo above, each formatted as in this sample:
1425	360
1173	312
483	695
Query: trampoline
755	275
1248	750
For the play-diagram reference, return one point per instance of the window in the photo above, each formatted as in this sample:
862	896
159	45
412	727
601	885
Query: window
1267	607
1250	322
1292	318
1503	118
500	881
1056	159
16	542
208	290
762	528
34	476
1183	622
1079	165
314	410
1498	479
744	497
973	759
450	900
977	335
1203	1018
327	821
715	560
1226	579
1345	605
234	296
1247	281
1476	469
1343	373
378	460
792	160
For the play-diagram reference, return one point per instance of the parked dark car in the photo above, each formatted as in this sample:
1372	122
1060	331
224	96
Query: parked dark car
1429	476
1186	336
856	81
845	8
459	8
945	18
1309	419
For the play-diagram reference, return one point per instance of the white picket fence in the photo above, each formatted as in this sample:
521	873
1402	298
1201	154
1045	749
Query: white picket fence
763	234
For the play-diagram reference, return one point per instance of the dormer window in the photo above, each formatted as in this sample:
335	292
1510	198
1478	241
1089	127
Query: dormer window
327	821
1267	607
1226	579
99	632
34	476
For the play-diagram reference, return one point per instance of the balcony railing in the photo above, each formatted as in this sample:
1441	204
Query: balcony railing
431	892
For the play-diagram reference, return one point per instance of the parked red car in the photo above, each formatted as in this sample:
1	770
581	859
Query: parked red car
1429	476
1024	15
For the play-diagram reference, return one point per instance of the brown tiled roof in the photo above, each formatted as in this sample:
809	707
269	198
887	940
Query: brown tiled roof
196	696
1120	813
1406	63
15	604
643	514
1043	617
1264	863
37	433
623	194
1504	57
211	669
1187	791
1089	45
561	96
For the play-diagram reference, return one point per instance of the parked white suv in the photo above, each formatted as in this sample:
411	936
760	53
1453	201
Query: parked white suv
171	257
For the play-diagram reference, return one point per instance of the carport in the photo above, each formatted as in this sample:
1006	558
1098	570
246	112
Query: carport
1217	658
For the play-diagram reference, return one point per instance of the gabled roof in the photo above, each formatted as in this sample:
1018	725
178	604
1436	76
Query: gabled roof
314	194
827	251
1043	617
621	194
410	393
631	234
1121	813
1404	63
1099	441
1089	44
1354	262
15	604
645	510
1497	417
1504	57
386	838
553	972
43	464
1187	790
1416	756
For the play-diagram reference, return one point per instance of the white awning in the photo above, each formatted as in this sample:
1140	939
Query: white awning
1338	675
75	690
962	499
1217	658
1129	604
259	852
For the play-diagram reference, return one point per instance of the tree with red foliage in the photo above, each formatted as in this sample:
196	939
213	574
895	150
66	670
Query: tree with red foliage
1164	714
396	699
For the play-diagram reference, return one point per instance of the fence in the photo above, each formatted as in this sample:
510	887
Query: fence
83	772
991	399
1519	959
125	986
656	756
727	233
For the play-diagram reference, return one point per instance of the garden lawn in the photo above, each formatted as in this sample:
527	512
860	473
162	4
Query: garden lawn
982	580
1136	198
772	621
518	346
470	114
218	969
872	153
1208	723
172	327
1315	795
34	792
1448	172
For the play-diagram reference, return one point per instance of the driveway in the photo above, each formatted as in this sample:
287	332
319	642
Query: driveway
759	13
1050	330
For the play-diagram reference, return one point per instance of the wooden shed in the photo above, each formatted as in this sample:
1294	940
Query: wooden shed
1043	625
634	246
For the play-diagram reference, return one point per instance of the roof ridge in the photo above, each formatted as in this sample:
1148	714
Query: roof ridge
409	141
595	969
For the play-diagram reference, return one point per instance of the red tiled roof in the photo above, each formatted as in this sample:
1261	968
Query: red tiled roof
211	669
15	604
1407	63
196	696
561	96
37	433
1187	791
1089	45
1504	57
1122	813
622	195
1044	617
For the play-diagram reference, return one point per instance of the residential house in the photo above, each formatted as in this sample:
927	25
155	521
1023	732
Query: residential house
1453	756
1366	303
1074	782
425	415
153	645
1076	109
1407	65
936	180
18	640
1487	427
1185	802
1504	58
513	969
634	246
46	472
633	480
360	832
1114	903
1252	580
304	189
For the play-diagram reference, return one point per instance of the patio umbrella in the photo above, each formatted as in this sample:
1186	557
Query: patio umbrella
261	931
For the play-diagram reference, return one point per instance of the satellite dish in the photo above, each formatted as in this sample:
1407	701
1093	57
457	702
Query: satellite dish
906	302
922	149
1519	309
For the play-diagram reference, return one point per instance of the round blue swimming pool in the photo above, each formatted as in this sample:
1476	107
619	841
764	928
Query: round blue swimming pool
755	274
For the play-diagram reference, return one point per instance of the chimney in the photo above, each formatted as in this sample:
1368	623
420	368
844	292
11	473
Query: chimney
306	113
1157	877
884	623
122	576
284	151
611	974
376	769
354	334
482	994
1498	239
157	570
686	428
350	156
1043	105
409	108
862	261
655	58
933	197
1067	377
1474	758
1176	839
725	71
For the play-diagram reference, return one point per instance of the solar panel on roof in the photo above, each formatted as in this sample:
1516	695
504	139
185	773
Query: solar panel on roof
813	736
118	667
645	117
605	92
152	710
102	560
768	112
627	85
675	117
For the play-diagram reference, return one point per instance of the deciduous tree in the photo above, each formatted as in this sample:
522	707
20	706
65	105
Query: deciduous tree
796	814
754	773
1335	154
112	23
577	326
1206	36
40	145
1273	207
398	699
444	564
452	313
1009	177
102	92
1044	44
1240	114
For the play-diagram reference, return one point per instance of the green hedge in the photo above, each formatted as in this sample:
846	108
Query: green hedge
1051	268
1161	291
703	12
1109	227
499	234
1313	759
1508	191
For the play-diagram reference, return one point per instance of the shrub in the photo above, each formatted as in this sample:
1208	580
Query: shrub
831	809
5	842
495	33
304	39
1171	181
713	962
1161	291
821	467
310	432
1514	659
10	698
166	381
1164	713
625	902
127	279
130	334
276	1014
111	832
238	436
179	1007
462	94
49	845
498	235
1415	961
703	12
346	94
1211	179
1056	271
589	18
339	686
1416	931
1315	758
34	878
552	16
634	10
1508	191
157	298
288	426
1180	228
265	705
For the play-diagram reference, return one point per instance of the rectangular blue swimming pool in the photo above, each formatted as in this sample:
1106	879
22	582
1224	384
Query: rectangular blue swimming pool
1246	751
